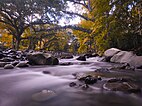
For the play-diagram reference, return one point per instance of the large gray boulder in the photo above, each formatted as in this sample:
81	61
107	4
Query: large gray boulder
122	57
136	61
111	52
39	58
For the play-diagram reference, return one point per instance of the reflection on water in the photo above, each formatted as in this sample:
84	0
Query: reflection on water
19	85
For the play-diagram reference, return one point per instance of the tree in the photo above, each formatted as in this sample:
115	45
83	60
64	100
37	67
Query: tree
21	14
116	23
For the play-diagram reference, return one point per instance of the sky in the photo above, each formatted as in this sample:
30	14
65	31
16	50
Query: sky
73	21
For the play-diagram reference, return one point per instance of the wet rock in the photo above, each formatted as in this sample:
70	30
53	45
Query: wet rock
42	96
46	72
52	61
87	79
42	59
81	58
66	64
136	61
122	57
2	64
67	57
84	87
15	63
90	80
102	70
80	76
121	66
124	85
8	66
72	84
89	55
1	55
99	77
7	59
110	52
11	51
22	64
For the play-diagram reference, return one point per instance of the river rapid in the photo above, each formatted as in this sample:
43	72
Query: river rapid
21	86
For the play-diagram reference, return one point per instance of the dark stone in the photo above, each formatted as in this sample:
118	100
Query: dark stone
102	70
15	63
106	59
46	72
81	58
7	59
72	84
90	80
122	84
67	57
52	61
66	64
1	55
2	64
42	59
89	55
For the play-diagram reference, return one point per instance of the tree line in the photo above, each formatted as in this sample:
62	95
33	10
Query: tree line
104	24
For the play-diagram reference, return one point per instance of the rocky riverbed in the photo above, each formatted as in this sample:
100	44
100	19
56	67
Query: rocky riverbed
71	83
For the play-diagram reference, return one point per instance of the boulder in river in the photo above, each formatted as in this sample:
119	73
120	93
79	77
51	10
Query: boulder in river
40	58
90	80
43	96
22	64
7	59
136	61
2	64
8	66
122	57
111	52
124	85
81	58
87	79
1	55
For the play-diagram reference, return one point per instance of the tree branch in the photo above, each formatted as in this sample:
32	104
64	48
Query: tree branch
77	14
65	27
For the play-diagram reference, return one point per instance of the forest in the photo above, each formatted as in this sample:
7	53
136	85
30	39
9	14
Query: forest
34	25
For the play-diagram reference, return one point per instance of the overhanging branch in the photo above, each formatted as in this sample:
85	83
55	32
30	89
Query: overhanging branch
65	27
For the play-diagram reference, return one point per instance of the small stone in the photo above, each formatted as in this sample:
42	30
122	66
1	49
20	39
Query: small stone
42	96
45	72
85	87
99	78
72	84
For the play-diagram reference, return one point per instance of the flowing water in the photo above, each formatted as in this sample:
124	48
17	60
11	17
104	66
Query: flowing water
17	87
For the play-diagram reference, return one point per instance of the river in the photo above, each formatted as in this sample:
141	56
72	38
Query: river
20	87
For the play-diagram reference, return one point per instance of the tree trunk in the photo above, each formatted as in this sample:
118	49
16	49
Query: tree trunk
13	42
17	44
